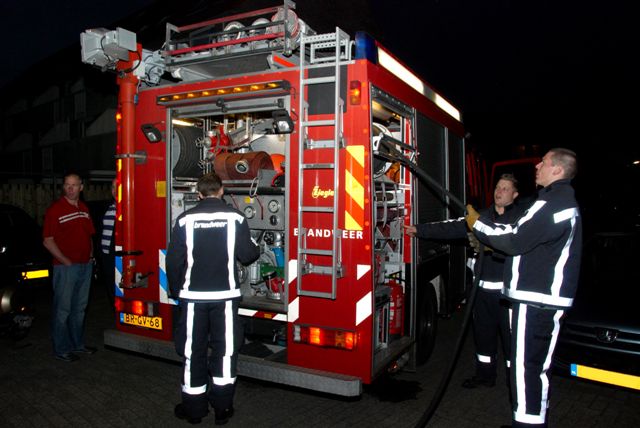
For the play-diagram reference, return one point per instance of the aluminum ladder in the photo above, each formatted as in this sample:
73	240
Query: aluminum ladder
320	47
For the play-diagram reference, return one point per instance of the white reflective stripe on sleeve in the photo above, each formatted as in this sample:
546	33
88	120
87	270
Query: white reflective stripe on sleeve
488	285
540	298
508	363
565	215
537	206
484	358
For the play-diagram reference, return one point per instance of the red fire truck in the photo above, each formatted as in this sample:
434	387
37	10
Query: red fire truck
306	131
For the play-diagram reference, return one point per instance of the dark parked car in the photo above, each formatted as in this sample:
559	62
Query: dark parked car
600	339
25	266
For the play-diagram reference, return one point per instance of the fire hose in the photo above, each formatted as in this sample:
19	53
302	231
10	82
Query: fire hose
395	156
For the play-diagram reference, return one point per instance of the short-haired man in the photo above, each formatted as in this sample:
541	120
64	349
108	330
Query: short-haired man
201	259
490	316
541	276
67	236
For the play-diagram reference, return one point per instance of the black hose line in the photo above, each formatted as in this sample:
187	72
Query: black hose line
453	361
446	378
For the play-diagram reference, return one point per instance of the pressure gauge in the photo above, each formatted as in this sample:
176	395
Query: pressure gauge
274	206
249	212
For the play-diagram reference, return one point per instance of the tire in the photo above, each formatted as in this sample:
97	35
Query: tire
426	323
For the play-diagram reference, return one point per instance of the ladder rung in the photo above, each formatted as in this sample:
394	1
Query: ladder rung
328	122
315	252
317	209
317	166
319	38
315	80
319	144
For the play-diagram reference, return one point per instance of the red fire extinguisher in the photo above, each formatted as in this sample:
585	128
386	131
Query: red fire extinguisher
396	309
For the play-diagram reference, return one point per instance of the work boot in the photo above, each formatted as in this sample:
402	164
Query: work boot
223	416
180	413
475	382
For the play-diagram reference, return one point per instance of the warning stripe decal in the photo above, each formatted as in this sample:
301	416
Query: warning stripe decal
262	314
354	188
164	284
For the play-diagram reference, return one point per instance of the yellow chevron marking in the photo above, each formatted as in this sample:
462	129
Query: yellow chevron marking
350	223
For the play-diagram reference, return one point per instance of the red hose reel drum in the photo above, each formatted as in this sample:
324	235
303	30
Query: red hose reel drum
241	166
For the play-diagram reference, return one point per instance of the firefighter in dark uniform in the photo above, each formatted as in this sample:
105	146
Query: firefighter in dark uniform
490	312
201	259
541	276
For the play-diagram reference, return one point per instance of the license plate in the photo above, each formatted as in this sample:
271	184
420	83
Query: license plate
36	274
141	321
605	376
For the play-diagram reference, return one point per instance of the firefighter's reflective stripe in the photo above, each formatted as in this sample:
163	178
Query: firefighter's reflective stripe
261	314
354	188
118	278
363	308
162	278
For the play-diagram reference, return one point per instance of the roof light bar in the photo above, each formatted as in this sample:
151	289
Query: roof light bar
403	73
204	95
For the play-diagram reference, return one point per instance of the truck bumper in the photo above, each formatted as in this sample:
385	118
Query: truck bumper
253	367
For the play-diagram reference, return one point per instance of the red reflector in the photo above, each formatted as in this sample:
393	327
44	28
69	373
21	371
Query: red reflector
119	305
355	92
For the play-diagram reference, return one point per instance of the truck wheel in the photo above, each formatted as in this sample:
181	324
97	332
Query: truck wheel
427	322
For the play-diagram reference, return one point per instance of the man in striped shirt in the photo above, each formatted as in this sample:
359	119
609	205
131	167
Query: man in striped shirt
107	244
540	278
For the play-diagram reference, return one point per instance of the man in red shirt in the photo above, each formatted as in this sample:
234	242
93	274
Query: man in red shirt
67	235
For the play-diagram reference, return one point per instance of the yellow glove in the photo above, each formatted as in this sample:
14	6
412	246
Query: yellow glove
472	216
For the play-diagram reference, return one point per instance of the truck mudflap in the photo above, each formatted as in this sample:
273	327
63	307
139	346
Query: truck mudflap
253	367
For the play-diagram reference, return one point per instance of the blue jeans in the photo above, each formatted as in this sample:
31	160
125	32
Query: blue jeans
71	285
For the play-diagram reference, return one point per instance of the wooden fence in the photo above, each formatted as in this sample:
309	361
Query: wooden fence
36	198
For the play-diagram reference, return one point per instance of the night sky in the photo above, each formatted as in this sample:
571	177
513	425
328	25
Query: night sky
526	75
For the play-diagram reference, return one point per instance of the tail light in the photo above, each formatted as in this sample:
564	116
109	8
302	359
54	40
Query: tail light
324	337
136	307
355	92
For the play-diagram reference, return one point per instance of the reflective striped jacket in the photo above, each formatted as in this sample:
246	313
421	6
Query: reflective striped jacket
544	248
205	243
492	273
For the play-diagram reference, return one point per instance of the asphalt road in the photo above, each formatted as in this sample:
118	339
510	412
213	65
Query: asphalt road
118	389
